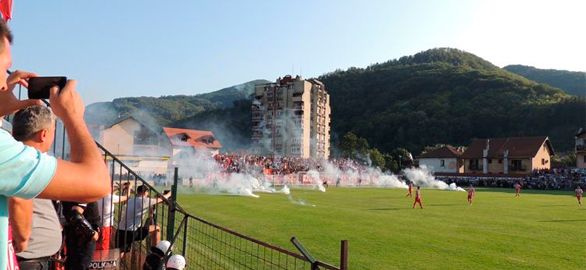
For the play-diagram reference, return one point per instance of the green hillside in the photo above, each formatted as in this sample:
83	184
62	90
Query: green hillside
447	96
169	109
573	82
442	95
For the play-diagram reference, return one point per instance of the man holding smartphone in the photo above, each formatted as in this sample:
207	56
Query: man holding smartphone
26	172
36	237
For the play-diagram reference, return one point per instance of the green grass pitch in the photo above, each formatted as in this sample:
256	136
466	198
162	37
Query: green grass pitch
539	230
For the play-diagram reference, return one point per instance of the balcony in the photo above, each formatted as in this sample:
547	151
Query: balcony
580	148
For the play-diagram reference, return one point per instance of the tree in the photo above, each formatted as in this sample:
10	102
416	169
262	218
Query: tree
348	145
362	147
377	158
403	157
391	164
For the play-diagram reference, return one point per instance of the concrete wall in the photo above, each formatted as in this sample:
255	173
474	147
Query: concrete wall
119	139
542	160
434	165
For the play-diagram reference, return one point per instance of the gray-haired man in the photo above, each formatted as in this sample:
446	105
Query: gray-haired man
36	237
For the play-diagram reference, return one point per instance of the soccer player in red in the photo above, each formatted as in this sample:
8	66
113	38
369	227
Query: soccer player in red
517	189
579	193
418	198
410	191
471	193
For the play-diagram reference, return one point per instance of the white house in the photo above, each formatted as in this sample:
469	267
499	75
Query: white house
442	160
140	146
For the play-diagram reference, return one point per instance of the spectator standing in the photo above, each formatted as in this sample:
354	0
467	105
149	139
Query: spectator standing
106	211
26	172
131	227
81	234
38	236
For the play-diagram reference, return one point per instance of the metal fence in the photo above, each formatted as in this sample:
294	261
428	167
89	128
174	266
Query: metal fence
214	247
203	244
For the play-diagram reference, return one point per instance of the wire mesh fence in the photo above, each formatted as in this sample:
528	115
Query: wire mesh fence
136	215
203	244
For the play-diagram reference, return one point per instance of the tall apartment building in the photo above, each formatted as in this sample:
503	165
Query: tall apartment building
291	117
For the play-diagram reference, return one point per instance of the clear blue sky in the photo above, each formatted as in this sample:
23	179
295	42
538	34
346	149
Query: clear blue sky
153	48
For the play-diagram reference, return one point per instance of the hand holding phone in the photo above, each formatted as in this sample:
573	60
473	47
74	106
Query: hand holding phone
39	87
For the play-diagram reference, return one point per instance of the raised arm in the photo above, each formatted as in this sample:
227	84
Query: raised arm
85	177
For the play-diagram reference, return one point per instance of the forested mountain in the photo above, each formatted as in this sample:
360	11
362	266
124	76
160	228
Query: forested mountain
169	109
439	96
573	82
447	96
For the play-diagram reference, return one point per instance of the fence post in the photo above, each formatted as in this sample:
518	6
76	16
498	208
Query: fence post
344	255
173	199
185	236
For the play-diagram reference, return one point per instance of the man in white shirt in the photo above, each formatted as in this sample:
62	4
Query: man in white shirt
131	227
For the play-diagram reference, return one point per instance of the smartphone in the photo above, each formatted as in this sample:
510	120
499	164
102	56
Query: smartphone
38	87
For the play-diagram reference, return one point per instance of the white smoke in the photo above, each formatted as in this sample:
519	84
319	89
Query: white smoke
318	183
299	201
353	175
206	175
423	177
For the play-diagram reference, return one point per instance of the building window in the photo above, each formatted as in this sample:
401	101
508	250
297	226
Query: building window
490	161
543	161
500	161
516	165
584	158
144	137
442	163
474	165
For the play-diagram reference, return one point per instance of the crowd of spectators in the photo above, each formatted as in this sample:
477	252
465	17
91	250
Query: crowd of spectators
558	178
554	179
281	165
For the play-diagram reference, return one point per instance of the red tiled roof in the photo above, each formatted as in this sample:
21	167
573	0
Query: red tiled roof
442	152
518	147
192	137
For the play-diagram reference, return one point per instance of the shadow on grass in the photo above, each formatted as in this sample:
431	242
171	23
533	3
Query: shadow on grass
446	204
553	205
566	220
384	209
